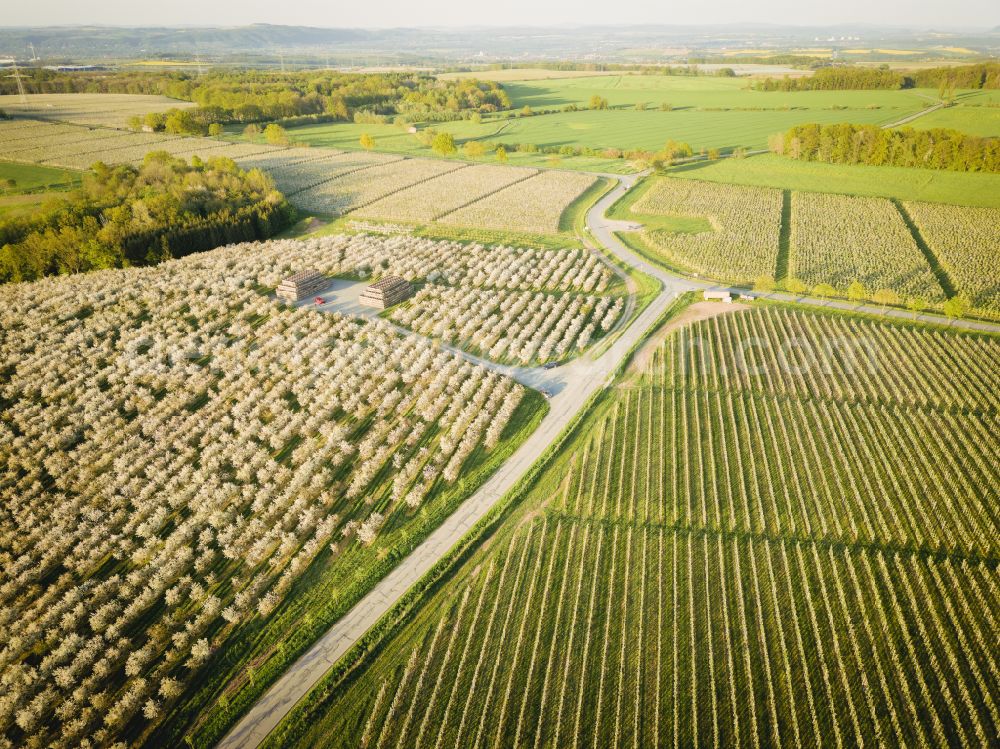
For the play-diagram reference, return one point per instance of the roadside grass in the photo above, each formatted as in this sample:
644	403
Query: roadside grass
261	651
974	112
574	217
929	185
644	290
974	120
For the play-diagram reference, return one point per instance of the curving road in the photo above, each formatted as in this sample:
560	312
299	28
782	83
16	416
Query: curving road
569	386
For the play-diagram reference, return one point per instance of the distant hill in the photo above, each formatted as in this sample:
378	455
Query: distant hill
645	43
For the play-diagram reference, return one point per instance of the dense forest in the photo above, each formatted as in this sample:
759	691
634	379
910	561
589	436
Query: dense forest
124	216
984	75
869	144
246	96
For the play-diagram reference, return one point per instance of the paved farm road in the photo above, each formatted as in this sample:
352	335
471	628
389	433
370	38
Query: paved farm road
571	385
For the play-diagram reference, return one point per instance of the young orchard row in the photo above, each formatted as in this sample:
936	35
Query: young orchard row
746	223
793	353
966	241
517	327
837	239
175	451
716	565
732	461
581	634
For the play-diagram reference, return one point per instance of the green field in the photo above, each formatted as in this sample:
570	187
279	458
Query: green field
739	552
975	120
930	185
32	178
395	139
706	112
19	205
702	92
649	130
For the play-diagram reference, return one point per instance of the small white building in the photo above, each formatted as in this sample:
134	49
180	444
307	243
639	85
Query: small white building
722	296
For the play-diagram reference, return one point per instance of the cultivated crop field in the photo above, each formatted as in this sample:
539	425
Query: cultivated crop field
520	328
109	110
745	224
535	205
77	147
837	239
364	186
437	197
966	242
734	233
178	452
459	264
781	531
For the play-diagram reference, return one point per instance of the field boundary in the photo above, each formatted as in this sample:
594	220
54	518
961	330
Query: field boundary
784	237
342	174
439	216
947	286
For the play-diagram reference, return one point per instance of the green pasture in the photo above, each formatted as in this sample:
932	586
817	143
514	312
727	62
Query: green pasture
701	92
31	178
975	112
706	112
931	185
649	130
395	139
622	129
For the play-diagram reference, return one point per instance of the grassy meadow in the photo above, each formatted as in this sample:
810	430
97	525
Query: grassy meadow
33	185
645	111
33	178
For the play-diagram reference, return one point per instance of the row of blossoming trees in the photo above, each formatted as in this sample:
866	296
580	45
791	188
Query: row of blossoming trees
176	449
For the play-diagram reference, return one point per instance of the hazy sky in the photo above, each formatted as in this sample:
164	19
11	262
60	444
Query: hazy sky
386	13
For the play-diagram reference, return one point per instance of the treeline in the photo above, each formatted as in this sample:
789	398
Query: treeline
126	216
262	96
836	79
937	148
597	67
982	75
